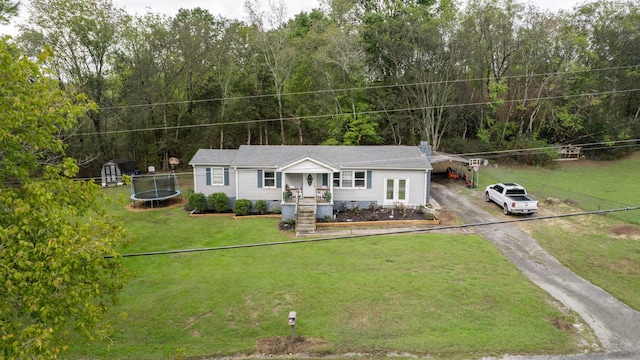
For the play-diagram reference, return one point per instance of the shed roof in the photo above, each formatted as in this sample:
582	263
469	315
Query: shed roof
126	165
438	157
345	157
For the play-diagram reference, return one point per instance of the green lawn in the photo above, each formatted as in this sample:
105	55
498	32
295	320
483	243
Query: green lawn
447	296
603	249
587	185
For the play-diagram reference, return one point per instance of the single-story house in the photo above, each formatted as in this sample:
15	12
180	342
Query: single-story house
330	177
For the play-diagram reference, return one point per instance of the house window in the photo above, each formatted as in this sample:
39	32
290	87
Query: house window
217	176
347	178
350	179
359	179
269	179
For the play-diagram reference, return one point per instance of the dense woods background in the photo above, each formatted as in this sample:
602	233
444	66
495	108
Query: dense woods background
494	74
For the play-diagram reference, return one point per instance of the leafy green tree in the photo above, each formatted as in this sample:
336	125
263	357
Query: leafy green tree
8	9
409	48
489	42
275	48
83	35
58	267
613	105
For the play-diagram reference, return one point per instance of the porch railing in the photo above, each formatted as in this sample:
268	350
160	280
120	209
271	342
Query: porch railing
295	195
321	194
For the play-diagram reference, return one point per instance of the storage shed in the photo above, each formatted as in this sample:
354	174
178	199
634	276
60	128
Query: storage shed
113	170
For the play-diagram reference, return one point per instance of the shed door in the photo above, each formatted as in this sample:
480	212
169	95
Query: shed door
110	173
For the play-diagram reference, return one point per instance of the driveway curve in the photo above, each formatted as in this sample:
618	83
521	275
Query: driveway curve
616	324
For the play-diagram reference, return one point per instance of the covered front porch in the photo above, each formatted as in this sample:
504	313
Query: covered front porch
307	182
292	195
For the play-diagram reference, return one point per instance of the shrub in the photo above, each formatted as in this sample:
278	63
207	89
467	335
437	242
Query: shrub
401	209
219	202
198	202
241	207
261	206
542	157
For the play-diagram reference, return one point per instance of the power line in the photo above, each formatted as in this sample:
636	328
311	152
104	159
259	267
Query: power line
371	112
632	143
375	87
347	237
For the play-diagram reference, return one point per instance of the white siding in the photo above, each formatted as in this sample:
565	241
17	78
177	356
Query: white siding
248	187
416	187
200	182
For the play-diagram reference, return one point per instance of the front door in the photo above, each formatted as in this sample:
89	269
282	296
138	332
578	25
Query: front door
395	191
309	185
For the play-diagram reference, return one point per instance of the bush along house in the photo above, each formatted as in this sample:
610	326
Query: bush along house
315	179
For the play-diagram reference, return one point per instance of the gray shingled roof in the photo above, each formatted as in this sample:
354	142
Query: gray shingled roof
276	156
213	157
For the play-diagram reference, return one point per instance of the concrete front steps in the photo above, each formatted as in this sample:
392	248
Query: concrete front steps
306	219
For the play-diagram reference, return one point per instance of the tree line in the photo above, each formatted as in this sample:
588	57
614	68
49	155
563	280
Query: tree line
494	74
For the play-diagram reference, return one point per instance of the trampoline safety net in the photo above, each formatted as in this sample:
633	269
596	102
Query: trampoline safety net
159	187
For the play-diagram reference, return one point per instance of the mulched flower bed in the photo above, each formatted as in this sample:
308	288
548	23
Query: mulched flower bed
380	214
370	215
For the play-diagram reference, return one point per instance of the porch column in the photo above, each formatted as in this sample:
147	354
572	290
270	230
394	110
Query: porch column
331	187
283	185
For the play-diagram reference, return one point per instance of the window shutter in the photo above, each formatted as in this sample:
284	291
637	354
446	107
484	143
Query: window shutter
278	180
226	176
208	176
325	179
259	179
369	175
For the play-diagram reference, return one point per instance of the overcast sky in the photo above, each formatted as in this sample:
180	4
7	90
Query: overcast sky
234	9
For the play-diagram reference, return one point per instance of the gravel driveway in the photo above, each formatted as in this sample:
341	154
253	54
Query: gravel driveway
616	325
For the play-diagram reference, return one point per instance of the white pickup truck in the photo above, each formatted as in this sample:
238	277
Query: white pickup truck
512	198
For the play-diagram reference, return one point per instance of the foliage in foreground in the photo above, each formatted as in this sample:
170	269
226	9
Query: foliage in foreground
54	233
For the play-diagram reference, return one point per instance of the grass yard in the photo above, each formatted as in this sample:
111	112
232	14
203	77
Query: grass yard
588	185
603	249
447	296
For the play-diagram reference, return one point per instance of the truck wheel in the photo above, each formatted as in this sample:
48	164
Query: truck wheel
487	198
505	209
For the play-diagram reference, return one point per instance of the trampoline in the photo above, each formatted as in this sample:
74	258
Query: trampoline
155	188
